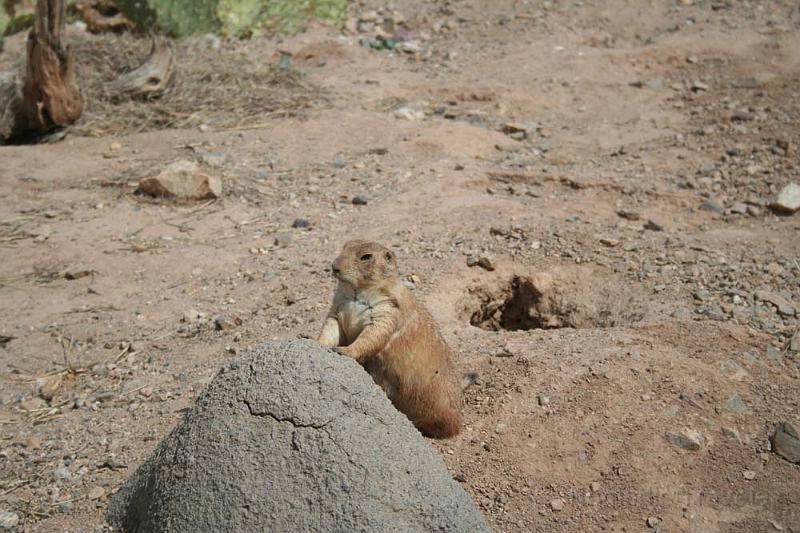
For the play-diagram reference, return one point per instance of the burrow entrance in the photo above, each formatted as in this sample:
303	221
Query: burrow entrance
539	301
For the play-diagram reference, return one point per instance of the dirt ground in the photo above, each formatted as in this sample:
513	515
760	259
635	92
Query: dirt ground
629	148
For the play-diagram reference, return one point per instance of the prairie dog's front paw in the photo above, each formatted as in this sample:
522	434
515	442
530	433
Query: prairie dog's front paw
342	350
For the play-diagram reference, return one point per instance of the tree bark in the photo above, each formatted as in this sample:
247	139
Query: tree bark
50	95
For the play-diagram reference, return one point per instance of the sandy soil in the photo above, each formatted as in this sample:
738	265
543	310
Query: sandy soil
651	137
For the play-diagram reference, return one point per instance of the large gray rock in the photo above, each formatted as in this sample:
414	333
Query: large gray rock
293	437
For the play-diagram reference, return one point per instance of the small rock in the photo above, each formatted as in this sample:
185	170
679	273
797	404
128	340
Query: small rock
595	486
653	521
784	307
191	315
749	475
712	205
33	404
687	439
786	442
408	47
472	261
745	83
732	433
698	86
407	113
510	128
788	200
753	210
33	443
486	263
95	493
702	295
557	504
8	520
500	428
62	474
214	159
652	225
775	524
339	163
77	273
115	146
543	400
283	239
794	344
360	199
740	208
611	243
628	214
742	116
736	404
182	180
301	223
773	353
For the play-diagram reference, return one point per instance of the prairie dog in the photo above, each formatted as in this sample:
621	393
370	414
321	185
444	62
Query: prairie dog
377	321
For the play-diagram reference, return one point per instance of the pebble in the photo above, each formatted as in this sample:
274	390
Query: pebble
786	442
500	428
749	475
557	504
794	344
731	433
788	200
736	404
483	262
785	308
95	493
595	486
544	401
712	205
746	83
688	439
703	295
407	113
652	225
33	443
8	520
611	243
510	128
742	116
628	215
773	353
360	199
698	86
283	239
740	208
301	223
62	474
653	521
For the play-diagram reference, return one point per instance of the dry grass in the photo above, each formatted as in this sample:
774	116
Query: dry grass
235	86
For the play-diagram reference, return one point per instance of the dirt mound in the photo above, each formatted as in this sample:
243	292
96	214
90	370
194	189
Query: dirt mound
294	437
570	298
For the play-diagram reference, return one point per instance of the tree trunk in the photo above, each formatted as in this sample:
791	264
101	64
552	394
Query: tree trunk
50	96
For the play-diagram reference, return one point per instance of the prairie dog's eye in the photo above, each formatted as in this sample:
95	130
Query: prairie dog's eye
366	257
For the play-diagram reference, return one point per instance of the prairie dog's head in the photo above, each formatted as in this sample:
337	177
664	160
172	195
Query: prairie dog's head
363	264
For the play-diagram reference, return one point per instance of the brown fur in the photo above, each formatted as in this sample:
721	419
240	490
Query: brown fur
377	321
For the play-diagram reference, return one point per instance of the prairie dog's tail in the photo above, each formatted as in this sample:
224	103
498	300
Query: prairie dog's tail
468	379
